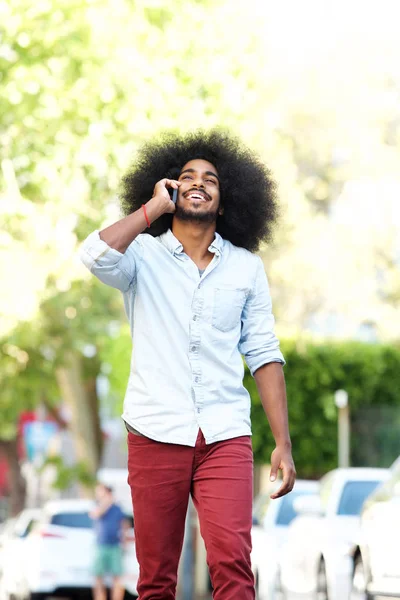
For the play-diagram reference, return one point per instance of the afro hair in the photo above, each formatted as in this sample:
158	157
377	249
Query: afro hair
248	192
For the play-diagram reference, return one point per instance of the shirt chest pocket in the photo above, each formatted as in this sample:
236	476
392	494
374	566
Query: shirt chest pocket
227	308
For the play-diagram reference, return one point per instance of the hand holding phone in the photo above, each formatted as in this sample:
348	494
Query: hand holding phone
165	196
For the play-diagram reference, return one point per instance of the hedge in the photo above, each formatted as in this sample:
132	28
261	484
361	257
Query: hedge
371	375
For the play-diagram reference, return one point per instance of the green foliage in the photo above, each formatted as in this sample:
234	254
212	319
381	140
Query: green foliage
79	319
371	376
115	354
26	376
67	476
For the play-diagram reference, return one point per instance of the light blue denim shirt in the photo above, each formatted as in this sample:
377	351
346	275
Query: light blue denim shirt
189	332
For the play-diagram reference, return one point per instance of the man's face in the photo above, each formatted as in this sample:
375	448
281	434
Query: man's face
199	193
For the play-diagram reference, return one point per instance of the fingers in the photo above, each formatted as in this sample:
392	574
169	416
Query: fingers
172	183
275	461
282	459
289	478
166	183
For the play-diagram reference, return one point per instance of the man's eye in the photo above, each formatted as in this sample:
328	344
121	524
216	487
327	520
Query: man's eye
186	177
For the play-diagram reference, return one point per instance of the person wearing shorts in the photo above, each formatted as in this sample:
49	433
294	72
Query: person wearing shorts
110	525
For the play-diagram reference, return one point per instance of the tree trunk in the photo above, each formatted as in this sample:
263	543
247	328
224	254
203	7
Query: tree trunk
93	399
16	481
84	423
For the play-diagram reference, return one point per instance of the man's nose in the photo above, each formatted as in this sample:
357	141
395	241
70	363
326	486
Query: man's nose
198	182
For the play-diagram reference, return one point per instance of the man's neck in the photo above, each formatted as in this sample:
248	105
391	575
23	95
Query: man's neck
195	239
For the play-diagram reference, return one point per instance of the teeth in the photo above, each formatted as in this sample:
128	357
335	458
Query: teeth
197	196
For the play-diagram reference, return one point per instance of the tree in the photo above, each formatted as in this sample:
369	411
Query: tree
20	354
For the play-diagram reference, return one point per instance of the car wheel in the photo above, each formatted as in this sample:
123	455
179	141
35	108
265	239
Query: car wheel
37	596
277	593
257	585
129	596
322	584
359	582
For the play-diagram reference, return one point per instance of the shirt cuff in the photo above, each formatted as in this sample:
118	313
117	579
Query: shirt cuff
94	248
261	360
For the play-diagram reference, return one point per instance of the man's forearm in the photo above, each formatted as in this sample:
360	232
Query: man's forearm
271	387
122	233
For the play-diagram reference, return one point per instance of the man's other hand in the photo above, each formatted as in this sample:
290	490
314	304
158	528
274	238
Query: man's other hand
281	459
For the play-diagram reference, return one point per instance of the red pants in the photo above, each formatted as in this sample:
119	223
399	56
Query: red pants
219	477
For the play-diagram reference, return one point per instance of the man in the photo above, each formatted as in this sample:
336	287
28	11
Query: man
197	299
110	527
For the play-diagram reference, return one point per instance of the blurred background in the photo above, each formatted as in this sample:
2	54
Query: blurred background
314	88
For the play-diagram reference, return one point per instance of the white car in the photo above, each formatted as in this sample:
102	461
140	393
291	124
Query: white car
315	561
376	572
58	555
6	533
271	519
13	540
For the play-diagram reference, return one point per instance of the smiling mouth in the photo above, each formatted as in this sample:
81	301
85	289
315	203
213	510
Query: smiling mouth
197	196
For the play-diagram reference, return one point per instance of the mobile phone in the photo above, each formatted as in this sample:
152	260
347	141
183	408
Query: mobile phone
174	194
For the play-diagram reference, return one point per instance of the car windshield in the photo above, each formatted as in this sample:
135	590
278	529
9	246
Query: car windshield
286	512
353	496
78	520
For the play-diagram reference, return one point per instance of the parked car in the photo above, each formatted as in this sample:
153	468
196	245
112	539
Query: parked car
315	559
271	519
5	534
12	542
58	554
376	565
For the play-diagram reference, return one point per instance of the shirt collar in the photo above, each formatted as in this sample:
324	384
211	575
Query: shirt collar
175	247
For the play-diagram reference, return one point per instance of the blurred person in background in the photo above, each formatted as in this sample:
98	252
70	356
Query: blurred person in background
110	527
197	298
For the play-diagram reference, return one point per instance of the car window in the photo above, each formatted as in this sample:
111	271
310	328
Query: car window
78	520
286	512
353	496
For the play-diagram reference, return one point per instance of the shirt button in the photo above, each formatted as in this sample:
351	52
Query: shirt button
198	410
197	379
193	348
194	317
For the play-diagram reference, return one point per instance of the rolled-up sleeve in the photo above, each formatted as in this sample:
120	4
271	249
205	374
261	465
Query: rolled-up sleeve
258	342
110	266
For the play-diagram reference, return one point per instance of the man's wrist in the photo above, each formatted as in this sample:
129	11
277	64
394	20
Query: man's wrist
284	443
154	209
